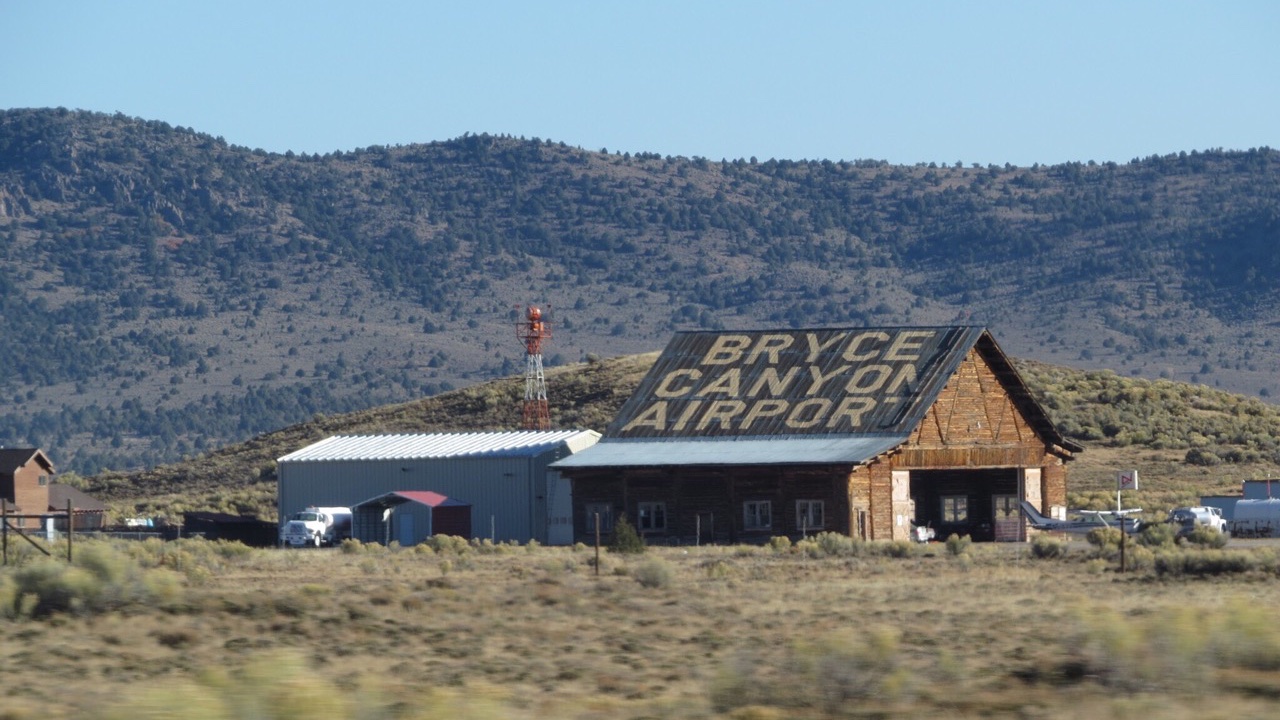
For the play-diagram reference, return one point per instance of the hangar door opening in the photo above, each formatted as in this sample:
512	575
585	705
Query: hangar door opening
982	504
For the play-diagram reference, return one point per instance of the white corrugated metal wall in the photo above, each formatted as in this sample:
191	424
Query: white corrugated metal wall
509	494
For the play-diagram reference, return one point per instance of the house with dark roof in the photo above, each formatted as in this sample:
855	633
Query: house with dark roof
89	513
25	474
741	436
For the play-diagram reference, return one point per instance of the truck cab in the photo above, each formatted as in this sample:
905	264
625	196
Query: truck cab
317	527
1188	518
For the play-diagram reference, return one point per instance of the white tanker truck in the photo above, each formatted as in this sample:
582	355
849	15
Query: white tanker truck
317	526
1256	518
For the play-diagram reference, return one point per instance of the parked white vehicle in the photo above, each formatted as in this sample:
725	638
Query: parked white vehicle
317	526
1187	518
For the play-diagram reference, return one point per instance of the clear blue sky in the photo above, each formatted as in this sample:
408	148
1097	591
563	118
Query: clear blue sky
903	81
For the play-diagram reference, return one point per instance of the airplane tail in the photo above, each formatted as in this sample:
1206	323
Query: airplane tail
1037	519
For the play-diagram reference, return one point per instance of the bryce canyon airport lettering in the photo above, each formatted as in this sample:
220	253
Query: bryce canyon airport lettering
805	381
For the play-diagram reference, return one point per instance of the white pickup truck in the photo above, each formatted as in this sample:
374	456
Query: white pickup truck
1187	518
317	526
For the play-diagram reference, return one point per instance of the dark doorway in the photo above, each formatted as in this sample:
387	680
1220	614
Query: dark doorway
961	502
705	528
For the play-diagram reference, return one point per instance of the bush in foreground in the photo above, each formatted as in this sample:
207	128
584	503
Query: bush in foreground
626	540
958	544
1199	562
653	573
1048	548
1159	535
844	671
101	578
1207	537
1171	648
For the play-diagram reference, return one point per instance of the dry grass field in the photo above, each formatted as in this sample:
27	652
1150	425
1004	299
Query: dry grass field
825	628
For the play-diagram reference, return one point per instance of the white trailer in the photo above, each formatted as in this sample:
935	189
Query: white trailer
1256	518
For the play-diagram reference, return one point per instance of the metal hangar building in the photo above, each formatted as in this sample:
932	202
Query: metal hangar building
503	476
740	436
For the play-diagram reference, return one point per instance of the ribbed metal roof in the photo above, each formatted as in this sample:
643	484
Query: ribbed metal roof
524	443
733	451
424	497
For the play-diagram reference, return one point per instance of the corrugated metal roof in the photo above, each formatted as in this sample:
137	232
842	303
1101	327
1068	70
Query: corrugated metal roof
424	497
807	382
524	443
733	451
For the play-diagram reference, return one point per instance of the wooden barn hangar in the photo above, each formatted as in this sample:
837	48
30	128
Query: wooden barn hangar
740	436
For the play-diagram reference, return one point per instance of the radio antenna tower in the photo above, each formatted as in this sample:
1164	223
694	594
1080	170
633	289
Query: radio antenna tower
533	331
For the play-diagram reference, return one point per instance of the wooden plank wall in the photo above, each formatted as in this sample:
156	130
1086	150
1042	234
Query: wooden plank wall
1053	482
973	409
973	424
717	495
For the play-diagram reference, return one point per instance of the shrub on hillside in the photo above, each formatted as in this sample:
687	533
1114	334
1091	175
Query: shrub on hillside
1202	457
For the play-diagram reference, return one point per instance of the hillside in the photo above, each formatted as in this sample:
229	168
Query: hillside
240	478
1184	440
164	293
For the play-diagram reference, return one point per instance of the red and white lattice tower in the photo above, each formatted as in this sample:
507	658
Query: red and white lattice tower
533	331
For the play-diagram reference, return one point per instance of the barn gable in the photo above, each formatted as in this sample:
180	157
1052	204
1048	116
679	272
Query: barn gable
981	405
842	429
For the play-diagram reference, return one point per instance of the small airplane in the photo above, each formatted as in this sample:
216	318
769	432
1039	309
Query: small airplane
1087	520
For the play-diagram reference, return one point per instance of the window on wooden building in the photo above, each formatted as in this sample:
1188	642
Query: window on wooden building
955	508
653	516
757	515
605	510
809	515
43	480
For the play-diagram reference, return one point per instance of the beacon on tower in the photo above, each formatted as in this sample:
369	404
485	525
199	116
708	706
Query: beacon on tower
533	331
